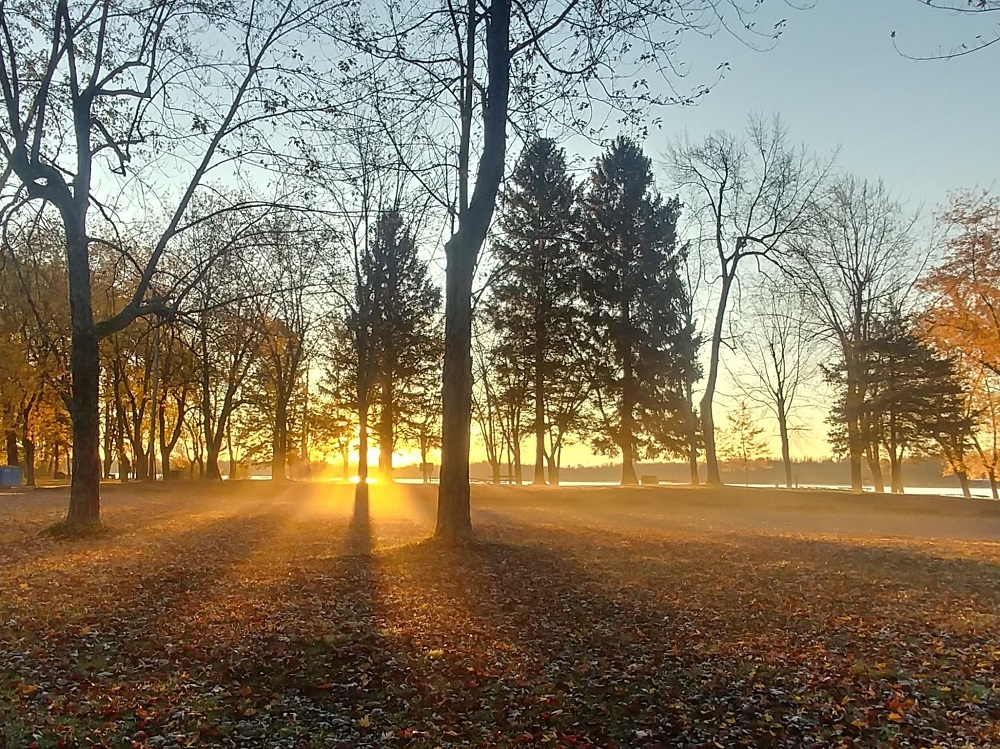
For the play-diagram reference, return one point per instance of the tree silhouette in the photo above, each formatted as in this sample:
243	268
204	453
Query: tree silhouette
533	303
639	348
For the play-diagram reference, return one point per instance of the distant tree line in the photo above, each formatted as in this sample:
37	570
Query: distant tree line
218	226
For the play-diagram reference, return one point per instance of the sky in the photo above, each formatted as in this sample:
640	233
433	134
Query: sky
926	128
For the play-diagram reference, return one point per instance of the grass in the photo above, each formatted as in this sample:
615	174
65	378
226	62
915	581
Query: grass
248	615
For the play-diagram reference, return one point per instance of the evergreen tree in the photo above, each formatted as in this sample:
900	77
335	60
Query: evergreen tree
743	442
533	308
407	330
640	349
913	398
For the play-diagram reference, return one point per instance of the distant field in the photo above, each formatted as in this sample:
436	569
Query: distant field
249	615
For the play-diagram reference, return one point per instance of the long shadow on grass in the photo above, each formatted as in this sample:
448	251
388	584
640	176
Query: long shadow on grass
520	639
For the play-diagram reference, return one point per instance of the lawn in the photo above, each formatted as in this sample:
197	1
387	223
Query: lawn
248	615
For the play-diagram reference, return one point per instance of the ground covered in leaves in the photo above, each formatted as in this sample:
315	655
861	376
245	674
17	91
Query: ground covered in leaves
256	616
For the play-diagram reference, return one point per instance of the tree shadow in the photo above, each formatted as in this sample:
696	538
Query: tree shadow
359	533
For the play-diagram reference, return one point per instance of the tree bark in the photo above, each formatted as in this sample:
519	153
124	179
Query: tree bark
963	480
895	473
29	457
992	475
363	441
855	448
385	427
553	471
626	416
712	475
692	435
539	473
108	438
875	466
13	458
629	477
786	458
154	403
85	487
454	519
518	477
279	445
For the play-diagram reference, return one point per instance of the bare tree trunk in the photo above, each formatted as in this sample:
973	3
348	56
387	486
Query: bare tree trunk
852	409
539	473
692	435
712	475
13	458
553	471
85	487
385	428
518	468
454	519
279	444
454	516
786	457
363	441
963	480
875	466
424	469
29	456
895	473
108	440
627	419
991	473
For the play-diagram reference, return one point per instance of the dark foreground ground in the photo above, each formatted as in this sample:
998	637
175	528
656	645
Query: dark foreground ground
255	616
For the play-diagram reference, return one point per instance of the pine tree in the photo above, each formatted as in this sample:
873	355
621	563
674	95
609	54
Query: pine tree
640	349
913	398
743	441
533	308
407	330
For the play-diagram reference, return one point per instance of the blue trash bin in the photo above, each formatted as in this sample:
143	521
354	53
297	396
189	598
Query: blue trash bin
10	476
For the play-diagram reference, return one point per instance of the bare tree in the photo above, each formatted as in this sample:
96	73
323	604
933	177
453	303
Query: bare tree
289	311
94	91
856	264
779	354
752	193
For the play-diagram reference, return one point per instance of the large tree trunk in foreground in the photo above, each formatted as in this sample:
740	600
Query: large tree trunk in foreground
85	488
454	520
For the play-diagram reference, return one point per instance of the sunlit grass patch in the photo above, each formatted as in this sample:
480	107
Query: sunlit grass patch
565	623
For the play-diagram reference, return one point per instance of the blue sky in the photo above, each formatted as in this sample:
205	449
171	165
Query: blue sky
926	128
